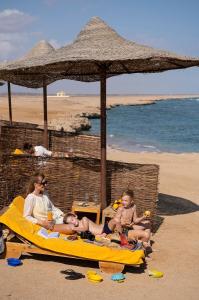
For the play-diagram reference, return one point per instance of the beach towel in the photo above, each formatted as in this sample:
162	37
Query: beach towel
13	218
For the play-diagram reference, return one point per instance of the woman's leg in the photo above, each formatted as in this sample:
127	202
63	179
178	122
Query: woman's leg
63	228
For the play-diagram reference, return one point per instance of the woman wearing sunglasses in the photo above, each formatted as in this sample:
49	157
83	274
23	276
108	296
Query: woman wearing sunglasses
38	205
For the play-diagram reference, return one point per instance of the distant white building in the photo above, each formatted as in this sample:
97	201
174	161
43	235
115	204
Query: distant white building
61	94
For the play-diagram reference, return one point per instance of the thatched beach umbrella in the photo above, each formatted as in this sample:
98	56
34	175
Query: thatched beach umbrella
9	101
97	53
41	49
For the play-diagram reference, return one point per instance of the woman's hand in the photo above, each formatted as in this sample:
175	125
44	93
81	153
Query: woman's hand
47	224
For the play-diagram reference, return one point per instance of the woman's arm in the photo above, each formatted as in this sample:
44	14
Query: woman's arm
28	209
58	212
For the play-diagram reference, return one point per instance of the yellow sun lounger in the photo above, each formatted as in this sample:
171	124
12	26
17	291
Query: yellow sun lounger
30	242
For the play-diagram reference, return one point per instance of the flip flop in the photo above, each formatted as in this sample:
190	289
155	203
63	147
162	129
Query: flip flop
72	275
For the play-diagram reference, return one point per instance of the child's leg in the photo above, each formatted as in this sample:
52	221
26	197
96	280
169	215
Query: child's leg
112	224
144	225
138	235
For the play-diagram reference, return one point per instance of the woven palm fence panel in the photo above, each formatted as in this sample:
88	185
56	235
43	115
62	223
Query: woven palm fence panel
71	178
13	137
18	124
83	145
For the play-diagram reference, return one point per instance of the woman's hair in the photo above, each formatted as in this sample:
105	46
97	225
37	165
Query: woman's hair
27	146
34	179
129	193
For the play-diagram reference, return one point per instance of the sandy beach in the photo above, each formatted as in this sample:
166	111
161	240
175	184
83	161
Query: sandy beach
67	112
176	242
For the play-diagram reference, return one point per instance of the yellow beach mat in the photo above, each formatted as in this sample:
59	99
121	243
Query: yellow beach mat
13	218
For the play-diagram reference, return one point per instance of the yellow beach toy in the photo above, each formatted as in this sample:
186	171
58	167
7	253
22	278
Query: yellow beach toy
117	203
155	274
147	213
94	277
18	152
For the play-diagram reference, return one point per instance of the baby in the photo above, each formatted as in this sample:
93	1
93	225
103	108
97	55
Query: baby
86	224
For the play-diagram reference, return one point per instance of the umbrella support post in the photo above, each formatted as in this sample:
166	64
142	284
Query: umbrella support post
103	138
45	116
10	103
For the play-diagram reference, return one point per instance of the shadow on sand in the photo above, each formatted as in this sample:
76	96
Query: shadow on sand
169	205
68	263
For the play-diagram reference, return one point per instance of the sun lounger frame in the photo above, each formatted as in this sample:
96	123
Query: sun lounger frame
16	249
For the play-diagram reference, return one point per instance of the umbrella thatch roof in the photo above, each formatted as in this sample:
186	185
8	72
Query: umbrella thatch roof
41	49
97	47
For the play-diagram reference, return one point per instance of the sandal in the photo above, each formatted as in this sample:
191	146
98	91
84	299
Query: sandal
72	275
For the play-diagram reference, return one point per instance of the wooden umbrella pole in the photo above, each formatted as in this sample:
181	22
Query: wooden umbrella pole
45	115
103	196
10	103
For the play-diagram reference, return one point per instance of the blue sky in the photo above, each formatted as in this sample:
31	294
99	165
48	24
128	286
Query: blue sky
171	25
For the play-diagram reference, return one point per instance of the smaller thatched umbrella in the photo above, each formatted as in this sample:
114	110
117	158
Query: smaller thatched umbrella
41	49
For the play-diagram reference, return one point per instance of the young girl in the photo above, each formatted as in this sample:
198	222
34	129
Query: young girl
37	205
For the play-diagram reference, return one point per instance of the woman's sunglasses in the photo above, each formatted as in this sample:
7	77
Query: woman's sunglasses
43	182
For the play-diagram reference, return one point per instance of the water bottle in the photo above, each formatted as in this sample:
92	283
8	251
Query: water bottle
2	245
95	199
86	199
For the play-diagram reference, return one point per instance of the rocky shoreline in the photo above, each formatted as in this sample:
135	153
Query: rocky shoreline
81	122
73	113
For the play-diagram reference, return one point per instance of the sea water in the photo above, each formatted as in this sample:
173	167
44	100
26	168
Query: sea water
166	126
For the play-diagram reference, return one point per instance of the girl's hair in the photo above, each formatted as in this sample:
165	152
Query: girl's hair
34	179
70	214
27	146
129	193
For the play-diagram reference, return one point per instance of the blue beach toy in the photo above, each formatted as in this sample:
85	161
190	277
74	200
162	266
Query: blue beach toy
119	277
14	262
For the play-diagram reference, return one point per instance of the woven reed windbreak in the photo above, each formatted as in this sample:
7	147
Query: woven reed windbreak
83	145
13	137
18	124
70	179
